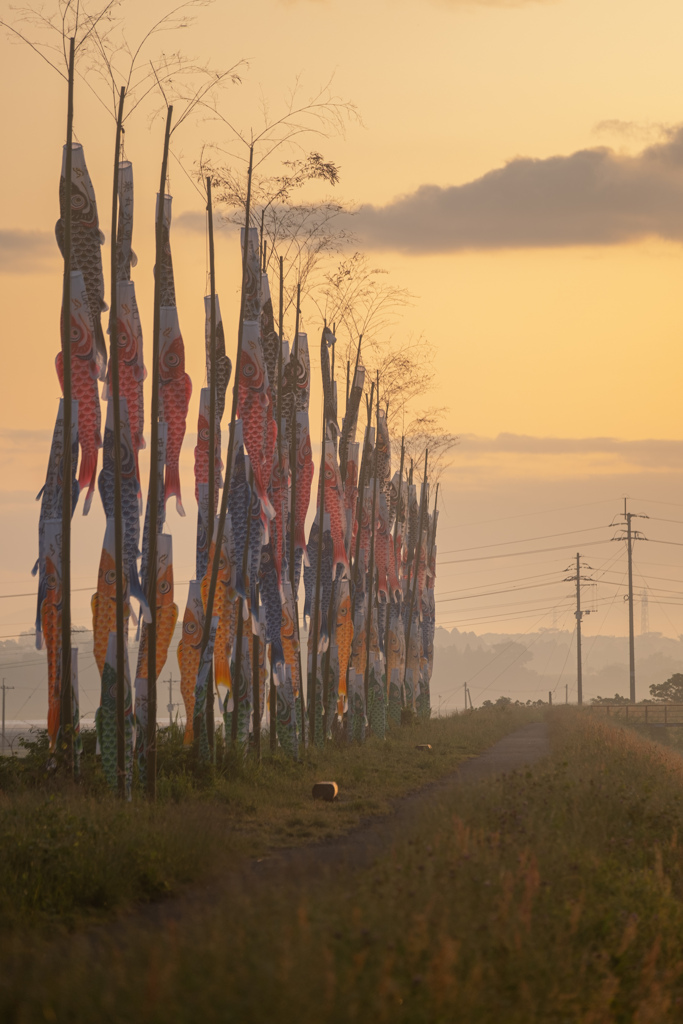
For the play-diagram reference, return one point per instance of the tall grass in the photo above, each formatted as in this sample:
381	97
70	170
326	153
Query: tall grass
550	895
68	853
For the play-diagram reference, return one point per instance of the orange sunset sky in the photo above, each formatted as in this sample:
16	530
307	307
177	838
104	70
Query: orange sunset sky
519	168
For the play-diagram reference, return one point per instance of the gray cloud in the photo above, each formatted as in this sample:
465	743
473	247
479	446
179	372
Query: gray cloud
492	3
648	452
591	197
23	252
195	222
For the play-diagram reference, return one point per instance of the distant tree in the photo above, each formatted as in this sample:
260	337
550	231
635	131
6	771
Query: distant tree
616	699
669	692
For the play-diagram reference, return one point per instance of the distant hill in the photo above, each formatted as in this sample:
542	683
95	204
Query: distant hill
526	666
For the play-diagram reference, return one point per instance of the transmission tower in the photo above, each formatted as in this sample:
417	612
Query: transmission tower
630	536
579	614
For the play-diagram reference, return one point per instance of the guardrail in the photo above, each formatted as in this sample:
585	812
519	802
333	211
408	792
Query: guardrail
647	714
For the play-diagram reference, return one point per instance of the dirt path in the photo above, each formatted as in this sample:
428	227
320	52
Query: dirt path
309	865
360	847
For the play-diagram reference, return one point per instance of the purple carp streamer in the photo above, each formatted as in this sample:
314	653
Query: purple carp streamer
85	370
50	497
86	243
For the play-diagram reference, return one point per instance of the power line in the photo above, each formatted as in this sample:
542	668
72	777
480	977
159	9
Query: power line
516	554
538	512
518	579
524	540
492	593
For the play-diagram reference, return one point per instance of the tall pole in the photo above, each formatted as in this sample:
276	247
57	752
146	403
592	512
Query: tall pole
631	637
416	566
210	726
231	437
392	598
170	702
154	486
256	690
313	677
118	508
371	573
630	536
281	540
237	673
292	506
66	706
579	614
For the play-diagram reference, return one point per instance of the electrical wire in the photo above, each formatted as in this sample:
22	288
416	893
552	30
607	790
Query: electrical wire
516	554
492	593
538	512
524	540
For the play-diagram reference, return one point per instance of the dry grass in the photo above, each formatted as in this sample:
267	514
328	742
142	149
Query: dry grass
552	895
72	853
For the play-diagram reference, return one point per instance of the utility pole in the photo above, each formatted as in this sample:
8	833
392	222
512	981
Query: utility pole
579	614
630	535
464	685
4	689
566	693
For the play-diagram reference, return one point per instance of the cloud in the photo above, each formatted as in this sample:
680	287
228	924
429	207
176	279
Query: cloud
493	3
522	457
591	197
195	222
23	252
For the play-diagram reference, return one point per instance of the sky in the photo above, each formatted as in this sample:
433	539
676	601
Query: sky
518	166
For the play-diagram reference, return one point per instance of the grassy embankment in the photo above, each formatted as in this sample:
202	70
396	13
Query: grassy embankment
74	854
555	894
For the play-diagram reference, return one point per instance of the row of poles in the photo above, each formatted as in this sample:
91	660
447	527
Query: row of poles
407	609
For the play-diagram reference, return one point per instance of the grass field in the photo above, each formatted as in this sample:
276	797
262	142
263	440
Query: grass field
69	853
553	894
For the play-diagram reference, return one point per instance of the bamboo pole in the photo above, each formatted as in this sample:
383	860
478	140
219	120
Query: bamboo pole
66	706
392	599
330	610
371	573
256	687
359	501
154	487
292	513
118	508
416	567
231	436
327	658
272	707
210	724
313	686
359	516
237	674
282	540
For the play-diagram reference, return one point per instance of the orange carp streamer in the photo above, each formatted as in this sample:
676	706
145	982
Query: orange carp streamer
167	611
103	603
344	641
189	654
